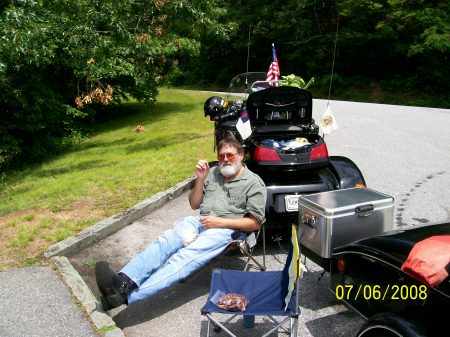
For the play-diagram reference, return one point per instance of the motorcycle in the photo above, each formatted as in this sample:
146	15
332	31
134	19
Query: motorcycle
273	123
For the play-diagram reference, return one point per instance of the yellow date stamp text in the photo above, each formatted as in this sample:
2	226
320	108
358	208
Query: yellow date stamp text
389	292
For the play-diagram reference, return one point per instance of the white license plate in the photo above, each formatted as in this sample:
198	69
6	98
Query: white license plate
291	202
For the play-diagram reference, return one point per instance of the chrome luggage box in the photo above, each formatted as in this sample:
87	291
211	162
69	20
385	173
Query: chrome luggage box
331	219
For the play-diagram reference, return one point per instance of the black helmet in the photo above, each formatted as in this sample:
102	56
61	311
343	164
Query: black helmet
214	106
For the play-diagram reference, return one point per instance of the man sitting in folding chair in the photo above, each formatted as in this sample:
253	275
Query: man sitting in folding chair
271	294
231	200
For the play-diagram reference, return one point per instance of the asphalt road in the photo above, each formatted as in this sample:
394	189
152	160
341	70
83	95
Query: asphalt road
402	151
35	303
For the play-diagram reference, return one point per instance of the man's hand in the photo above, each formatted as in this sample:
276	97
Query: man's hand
196	194
210	221
202	169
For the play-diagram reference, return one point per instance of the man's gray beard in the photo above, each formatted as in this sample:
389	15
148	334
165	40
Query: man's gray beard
229	170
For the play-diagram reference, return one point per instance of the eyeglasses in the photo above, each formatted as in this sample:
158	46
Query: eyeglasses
230	156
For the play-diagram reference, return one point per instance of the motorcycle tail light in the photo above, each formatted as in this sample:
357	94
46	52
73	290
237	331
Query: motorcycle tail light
340	265
265	154
319	152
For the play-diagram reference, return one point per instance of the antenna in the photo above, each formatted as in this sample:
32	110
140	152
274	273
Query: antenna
332	66
248	57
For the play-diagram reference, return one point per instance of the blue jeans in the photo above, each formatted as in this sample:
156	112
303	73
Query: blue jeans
166	261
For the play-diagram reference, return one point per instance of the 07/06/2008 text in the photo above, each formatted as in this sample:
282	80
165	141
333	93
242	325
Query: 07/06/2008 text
381	293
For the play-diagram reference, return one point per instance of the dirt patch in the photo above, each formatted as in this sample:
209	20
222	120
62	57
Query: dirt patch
376	93
27	234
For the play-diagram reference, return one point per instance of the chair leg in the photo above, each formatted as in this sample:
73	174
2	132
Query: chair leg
248	253
264	246
208	331
218	324
250	257
294	327
279	325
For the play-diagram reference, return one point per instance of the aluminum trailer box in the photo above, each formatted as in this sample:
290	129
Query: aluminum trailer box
328	220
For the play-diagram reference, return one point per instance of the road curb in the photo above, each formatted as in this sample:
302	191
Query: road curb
109	226
100	230
85	297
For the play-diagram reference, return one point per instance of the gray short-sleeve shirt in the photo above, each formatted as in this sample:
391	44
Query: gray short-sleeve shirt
235	199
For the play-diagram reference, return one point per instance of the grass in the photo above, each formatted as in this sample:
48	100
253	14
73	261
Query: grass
108	172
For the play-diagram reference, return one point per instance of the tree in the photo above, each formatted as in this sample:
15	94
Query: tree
303	33
60	59
404	42
403	45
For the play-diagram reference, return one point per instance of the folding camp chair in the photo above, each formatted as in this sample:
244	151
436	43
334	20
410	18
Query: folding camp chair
269	293
247	247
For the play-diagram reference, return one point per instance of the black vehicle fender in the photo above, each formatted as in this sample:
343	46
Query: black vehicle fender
389	324
346	172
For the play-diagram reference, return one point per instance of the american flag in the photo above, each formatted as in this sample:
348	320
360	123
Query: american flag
274	70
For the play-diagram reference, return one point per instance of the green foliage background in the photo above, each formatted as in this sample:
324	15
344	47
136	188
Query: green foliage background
54	52
403	46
